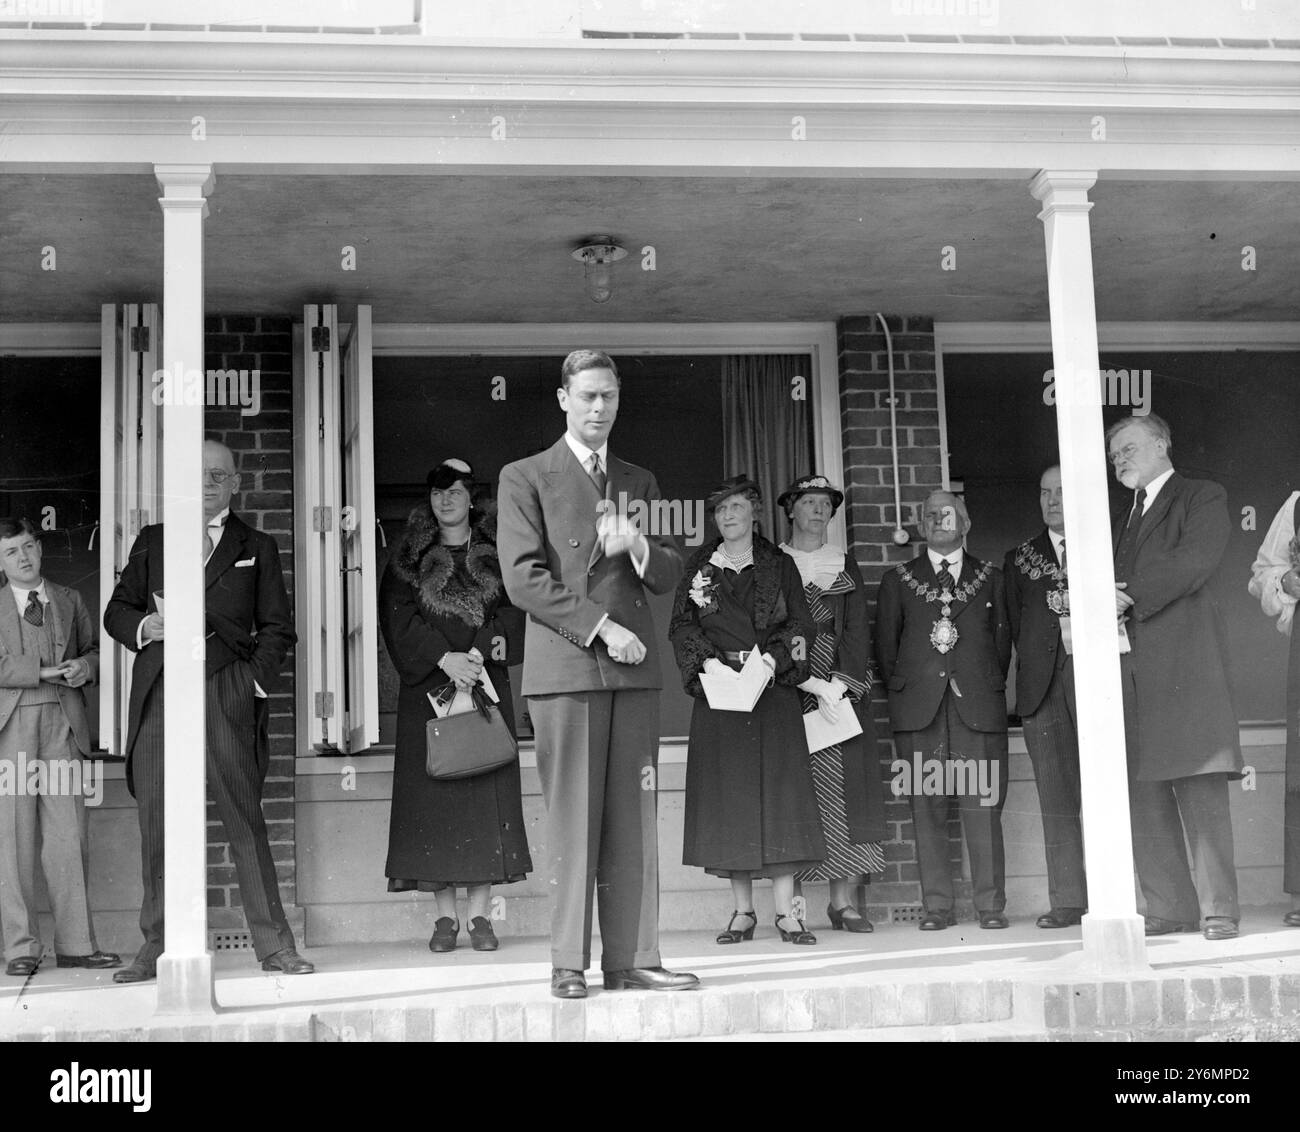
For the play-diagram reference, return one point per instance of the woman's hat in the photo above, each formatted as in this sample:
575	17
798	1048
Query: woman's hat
736	485
447	473
804	485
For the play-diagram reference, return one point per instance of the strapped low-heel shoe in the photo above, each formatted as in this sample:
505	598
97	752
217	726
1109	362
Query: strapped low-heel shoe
803	935
848	919
734	935
445	931
481	935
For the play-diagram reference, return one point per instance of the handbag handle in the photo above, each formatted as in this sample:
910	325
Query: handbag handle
477	696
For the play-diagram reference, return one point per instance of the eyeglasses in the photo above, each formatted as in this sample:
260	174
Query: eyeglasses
1125	453
217	476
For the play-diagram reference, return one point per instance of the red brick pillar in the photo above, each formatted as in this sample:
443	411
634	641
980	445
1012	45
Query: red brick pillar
262	443
869	476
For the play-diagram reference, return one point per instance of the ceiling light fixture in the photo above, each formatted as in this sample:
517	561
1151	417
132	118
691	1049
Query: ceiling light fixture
596	253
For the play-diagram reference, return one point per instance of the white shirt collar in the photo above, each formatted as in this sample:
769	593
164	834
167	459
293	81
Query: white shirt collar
583	453
1153	489
21	592
954	558
1057	540
216	527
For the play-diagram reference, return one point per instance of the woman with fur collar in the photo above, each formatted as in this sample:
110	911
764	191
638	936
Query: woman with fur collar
445	619
751	810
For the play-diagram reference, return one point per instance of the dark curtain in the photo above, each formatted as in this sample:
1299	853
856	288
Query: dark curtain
767	426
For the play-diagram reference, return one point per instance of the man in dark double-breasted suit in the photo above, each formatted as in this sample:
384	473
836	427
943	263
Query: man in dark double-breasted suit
249	631
1179	723
573	562
1038	606
943	645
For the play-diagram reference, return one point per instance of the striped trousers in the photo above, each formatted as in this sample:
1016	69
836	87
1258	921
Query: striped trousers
237	761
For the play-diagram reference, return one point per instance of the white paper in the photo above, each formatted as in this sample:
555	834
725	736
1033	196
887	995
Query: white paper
1067	639
822	733
1125	645
462	701
736	691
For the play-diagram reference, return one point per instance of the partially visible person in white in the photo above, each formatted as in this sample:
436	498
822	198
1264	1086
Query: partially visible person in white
1276	582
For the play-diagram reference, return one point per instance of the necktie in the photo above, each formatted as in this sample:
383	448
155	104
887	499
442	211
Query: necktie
1062	554
596	472
1126	552
945	575
34	614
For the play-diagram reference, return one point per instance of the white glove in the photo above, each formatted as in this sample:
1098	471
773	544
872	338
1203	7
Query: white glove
838	689
713	666
829	708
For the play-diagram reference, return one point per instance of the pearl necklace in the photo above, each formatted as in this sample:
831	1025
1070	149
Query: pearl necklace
738	563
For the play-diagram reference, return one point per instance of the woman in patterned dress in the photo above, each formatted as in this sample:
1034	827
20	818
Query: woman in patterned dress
751	810
850	791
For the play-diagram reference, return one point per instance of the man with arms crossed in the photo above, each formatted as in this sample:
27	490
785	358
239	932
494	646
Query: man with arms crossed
591	674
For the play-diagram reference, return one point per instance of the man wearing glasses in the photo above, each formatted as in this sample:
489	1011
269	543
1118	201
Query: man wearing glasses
249	629
1179	724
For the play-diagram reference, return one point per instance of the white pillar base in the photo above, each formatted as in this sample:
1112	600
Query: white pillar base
185	984
1114	944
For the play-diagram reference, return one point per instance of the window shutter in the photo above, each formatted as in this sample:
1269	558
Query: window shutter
130	476
357	542
336	584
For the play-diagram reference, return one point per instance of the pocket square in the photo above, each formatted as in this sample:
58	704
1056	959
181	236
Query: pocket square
247	562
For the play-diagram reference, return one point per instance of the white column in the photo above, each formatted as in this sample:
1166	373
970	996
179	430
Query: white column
185	969
1112	929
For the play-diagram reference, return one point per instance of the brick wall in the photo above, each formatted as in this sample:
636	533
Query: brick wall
263	448
869	476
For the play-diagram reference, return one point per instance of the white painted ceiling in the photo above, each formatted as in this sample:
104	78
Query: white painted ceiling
496	248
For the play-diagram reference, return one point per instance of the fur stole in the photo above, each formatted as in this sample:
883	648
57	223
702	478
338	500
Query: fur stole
427	567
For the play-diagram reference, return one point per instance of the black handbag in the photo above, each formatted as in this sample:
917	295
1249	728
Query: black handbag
471	743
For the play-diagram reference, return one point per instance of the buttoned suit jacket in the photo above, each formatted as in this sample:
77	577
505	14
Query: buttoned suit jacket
554	570
1185	718
246	609
917	675
1035	629
75	638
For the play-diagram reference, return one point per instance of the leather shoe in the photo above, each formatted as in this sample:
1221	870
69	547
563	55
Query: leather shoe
288	962
96	960
650	978
1220	927
1061	918
137	971
445	931
1292	918
23	966
937	921
481	935
993	920
567	983
1156	926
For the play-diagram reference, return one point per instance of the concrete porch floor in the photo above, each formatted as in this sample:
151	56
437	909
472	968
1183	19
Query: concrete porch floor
895	984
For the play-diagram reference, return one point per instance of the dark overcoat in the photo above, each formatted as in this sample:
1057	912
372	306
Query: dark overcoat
433	601
1186	723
